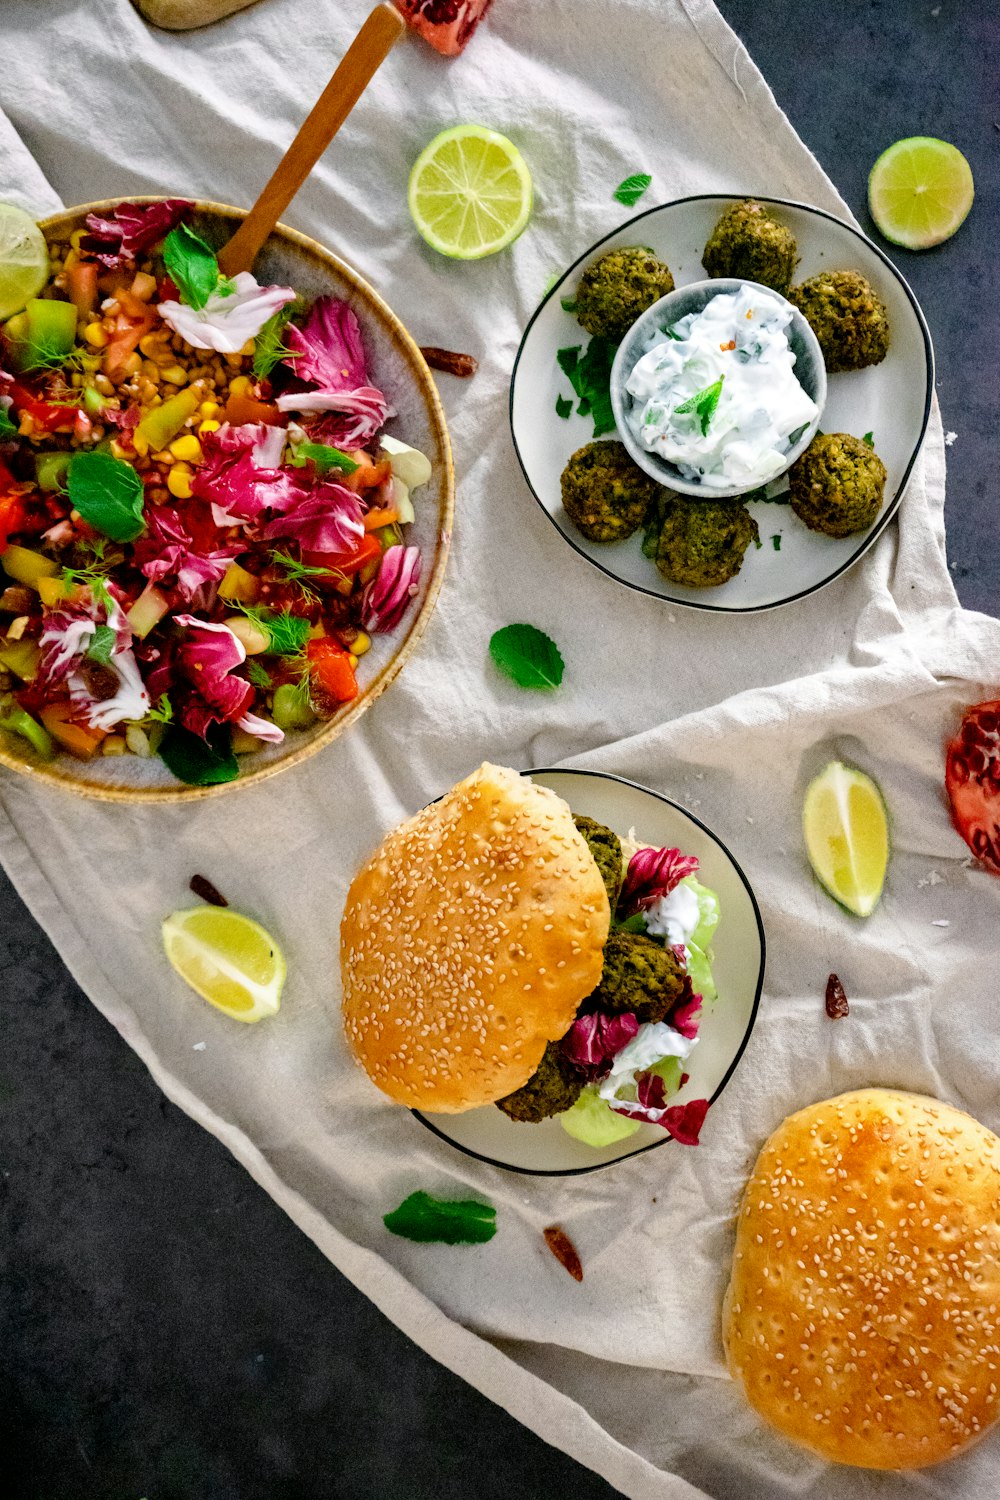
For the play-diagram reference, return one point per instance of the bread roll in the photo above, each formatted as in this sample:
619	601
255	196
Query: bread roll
468	941
863	1313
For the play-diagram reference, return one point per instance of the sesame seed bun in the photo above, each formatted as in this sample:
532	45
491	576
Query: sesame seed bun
863	1314
468	941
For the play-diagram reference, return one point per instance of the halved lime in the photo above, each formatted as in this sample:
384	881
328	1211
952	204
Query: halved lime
919	191
24	260
227	959
470	192
847	836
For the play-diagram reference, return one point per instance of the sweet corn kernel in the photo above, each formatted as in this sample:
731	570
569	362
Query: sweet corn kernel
152	344
352	659
179	482
361	643
117	451
175	374
96	334
187	448
165	457
77	236
209	424
140	444
209	409
240	386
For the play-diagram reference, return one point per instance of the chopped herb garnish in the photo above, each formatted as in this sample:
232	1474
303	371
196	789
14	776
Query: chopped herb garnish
287	633
673	334
702	404
793	437
568	304
564	407
651	537
528	656
108	493
7	427
776	542
758	543
631	190
635	923
869	438
459	1221
191	265
269	347
163	713
259	675
568	361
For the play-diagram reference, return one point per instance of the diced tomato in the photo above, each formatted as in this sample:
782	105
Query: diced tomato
13	511
81	283
131	322
330	671
367	475
79	739
46	415
242	409
167	290
345	564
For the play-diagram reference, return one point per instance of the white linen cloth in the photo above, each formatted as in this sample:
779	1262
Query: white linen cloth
729	715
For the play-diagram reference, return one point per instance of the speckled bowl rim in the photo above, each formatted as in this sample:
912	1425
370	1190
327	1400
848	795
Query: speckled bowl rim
660	469
59	773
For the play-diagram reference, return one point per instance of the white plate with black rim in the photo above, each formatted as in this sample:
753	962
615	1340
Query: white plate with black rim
545	1149
891	400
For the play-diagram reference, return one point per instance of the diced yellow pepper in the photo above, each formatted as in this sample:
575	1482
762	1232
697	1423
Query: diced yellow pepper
179	482
160	425
53	591
27	567
187	448
21	657
239	586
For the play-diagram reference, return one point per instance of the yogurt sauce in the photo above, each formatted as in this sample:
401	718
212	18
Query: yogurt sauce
718	396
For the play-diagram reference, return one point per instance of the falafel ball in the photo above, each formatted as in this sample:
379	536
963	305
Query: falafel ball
837	485
702	542
604	493
748	242
617	289
639	975
606	848
847	316
553	1087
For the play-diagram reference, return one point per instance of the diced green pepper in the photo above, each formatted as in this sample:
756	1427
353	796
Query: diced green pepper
93	402
389	536
162	424
19	722
42	335
50	470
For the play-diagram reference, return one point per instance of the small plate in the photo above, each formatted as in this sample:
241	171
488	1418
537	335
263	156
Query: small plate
892	400
545	1150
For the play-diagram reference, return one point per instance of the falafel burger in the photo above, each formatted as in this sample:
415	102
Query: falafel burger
484	961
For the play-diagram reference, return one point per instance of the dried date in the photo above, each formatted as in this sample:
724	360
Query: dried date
462	365
836	1000
207	891
564	1250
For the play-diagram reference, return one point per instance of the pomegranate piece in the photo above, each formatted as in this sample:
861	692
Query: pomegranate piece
447	24
972	779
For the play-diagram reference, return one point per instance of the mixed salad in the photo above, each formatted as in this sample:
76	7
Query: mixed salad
202	520
634	1065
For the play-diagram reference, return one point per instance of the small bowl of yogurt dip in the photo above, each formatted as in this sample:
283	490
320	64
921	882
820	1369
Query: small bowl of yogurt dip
718	388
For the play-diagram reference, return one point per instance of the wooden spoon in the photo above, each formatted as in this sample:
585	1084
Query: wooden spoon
370	47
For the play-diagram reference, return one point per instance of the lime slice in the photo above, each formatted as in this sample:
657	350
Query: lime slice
470	192
919	191
228	960
847	836
24	260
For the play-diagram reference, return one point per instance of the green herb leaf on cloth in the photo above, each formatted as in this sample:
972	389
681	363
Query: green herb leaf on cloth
199	762
461	1221
527	656
776	542
191	265
631	190
108	493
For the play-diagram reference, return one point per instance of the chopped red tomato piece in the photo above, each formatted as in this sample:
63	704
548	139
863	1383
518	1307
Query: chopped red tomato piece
330	672
345	564
47	416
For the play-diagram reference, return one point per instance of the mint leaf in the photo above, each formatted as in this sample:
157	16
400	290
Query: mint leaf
324	457
631	190
595	376
459	1221
528	656
191	265
776	542
568	304
568	361
563	406
199	762
7	427
108	493
102	644
702	403
869	438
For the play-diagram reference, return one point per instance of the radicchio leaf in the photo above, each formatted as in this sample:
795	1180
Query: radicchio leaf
322	516
327	353
682	1121
386	598
205	658
653	873
239	474
168	551
130	229
593	1040
687	1012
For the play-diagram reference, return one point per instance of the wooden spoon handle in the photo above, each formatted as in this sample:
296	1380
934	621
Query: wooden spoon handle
371	45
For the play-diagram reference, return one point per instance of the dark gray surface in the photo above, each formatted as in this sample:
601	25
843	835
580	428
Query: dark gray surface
164	1330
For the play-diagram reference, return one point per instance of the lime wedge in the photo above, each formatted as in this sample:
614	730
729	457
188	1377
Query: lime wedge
847	836
24	260
227	959
919	191
470	192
